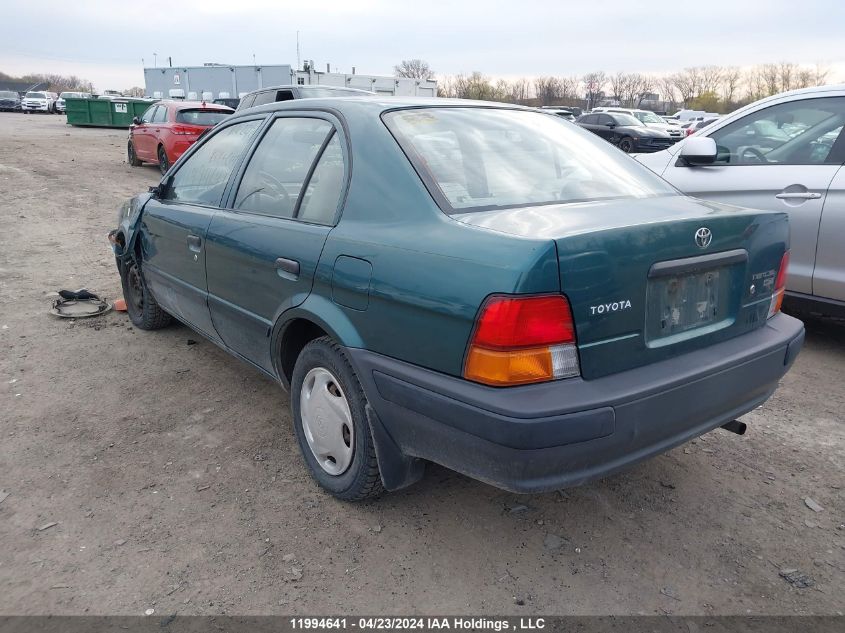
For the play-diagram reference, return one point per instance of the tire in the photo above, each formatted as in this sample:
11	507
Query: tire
626	144
131	157
163	163
141	306
321	359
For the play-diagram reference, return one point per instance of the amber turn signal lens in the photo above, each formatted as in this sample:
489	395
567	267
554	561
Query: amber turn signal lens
515	367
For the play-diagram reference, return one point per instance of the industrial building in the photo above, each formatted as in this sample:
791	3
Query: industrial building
212	81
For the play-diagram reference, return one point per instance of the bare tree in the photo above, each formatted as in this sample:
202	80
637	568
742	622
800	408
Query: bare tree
134	91
519	90
414	68
710	78
594	83
688	83
569	88
820	75
666	87
548	89
731	79
618	85
770	74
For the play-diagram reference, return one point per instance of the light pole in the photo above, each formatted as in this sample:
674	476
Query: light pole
155	60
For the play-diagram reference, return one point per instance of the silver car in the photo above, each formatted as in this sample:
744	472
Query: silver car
782	153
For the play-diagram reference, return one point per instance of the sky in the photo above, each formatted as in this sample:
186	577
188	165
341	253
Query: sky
109	41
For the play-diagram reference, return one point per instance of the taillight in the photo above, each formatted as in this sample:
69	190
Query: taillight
780	286
184	130
520	340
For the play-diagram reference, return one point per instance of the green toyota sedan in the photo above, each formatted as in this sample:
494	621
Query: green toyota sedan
478	285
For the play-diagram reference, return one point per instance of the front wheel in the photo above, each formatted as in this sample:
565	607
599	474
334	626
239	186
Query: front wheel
331	423
143	309
626	145
163	163
131	156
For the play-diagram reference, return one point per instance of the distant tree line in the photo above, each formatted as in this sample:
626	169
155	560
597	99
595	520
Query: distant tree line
712	88
54	82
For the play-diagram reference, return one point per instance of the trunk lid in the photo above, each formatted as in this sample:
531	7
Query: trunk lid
641	286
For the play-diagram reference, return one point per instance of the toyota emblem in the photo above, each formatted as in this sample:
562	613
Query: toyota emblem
703	237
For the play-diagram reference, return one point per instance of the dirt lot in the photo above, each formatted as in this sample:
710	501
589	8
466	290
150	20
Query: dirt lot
174	481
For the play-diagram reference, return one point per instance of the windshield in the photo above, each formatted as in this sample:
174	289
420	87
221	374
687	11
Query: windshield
625	119
310	93
649	117
475	159
35	95
201	117
8	94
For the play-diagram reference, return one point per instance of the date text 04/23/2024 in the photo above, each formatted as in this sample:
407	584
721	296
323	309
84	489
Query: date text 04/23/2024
418	624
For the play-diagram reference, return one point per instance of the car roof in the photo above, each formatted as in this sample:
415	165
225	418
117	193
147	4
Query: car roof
376	104
185	105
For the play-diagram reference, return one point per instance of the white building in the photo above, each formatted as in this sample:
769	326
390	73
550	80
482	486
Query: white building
213	81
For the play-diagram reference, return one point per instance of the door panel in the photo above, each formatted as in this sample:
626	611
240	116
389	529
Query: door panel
172	242
173	229
262	253
829	274
759	187
247	287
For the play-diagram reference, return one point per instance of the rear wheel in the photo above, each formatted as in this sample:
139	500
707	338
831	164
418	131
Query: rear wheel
132	158
626	145
331	423
143	309
163	163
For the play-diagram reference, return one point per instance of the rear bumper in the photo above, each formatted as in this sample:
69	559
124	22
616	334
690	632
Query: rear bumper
564	433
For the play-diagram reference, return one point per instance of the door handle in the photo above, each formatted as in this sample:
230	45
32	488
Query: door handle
799	195
289	266
194	243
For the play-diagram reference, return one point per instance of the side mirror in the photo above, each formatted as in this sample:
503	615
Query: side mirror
611	125
136	120
699	150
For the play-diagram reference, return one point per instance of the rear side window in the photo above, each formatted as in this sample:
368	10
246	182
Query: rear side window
263	98
277	171
203	177
321	197
201	117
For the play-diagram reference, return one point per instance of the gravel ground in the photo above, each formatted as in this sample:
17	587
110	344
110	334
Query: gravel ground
147	472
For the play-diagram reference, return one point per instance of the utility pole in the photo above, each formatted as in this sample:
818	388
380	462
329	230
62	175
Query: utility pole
155	60
298	62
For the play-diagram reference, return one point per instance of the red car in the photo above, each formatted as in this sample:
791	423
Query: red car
168	128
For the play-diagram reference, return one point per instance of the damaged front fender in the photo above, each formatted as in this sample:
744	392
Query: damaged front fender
123	237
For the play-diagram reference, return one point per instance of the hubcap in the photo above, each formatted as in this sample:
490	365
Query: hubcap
327	421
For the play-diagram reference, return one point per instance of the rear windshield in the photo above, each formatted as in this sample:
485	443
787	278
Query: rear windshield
8	94
71	95
201	117
310	93
474	159
35	95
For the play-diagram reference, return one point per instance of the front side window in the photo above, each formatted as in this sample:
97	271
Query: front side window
203	177
160	115
149	113
263	98
277	171
486	158
794	133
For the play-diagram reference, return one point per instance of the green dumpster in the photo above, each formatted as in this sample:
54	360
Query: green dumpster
105	112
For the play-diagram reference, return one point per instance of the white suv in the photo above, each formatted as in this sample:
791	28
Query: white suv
39	102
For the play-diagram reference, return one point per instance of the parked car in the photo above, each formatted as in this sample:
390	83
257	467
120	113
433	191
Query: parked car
60	102
625	131
564	113
649	119
691	127
288	93
10	101
229	102
490	288
40	101
167	128
783	153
